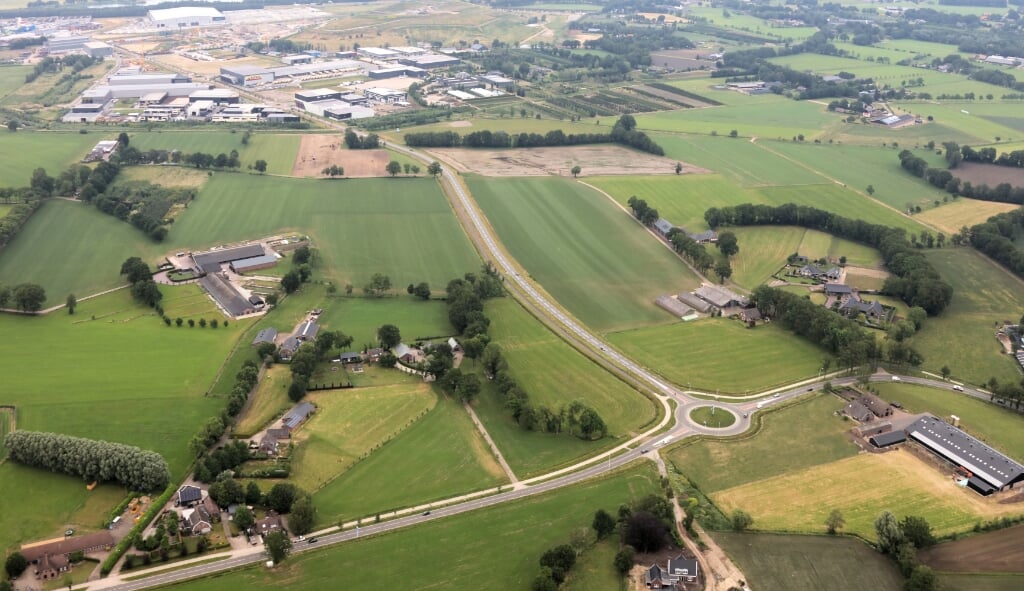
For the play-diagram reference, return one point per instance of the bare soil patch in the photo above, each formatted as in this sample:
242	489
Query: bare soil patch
998	551
593	160
989	174
317	152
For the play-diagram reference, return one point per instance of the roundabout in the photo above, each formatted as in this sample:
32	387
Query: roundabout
712	417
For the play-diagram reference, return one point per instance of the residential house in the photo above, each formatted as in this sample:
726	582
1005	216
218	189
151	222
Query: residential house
750	315
50	558
196	521
289	347
876	405
678	570
51	566
858	412
873	311
404	353
350	357
704	237
839	290
815	272
189	495
272	522
373	354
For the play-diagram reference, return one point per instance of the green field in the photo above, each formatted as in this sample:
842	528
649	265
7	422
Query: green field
11	77
543	365
279	150
586	252
775	120
595	569
267	401
746	162
441	455
809	563
360	317
808	430
24	151
963	336
496	549
1001	428
764	250
708	354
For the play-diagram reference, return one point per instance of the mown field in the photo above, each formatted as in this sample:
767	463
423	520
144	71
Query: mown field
993	424
586	252
952	216
25	151
11	77
707	354
899	482
111	371
993	552
780	119
552	373
361	317
496	549
809	563
267	401
441	455
279	150
808	431
963	336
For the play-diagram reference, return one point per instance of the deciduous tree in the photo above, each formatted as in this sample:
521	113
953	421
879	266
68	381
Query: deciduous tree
279	545
434	169
71	303
603	524
15	565
835	522
303	515
28	297
244	518
393	168
389	336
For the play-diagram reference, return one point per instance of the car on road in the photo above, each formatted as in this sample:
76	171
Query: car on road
644	450
312	540
958	388
776	395
300	539
896	404
425	513
896	379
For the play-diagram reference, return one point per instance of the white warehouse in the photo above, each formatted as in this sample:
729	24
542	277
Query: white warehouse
186	16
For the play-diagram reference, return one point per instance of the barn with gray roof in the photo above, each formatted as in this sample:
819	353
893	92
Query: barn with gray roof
991	471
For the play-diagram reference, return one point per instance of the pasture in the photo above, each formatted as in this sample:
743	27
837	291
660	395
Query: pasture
360	318
747	163
963	336
795	563
11	77
25	151
279	150
495	549
441	455
809	431
993	552
595	569
901	483
950	217
267	401
782	119
590	255
999	427
770	355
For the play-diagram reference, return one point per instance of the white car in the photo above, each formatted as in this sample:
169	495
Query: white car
958	388
896	379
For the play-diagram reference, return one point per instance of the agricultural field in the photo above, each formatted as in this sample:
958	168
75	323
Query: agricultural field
989	174
782	120
465	544
950	217
361	317
993	552
26	151
746	163
11	77
590	255
440	455
839	200
279	150
999	427
809	430
168	176
980	582
984	296
901	483
795	562
267	401
704	354
977	129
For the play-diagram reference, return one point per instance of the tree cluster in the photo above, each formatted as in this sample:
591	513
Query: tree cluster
228	457
27	297
133	467
15	219
144	289
354	142
643	212
998	238
900	541
914	279
49	64
944	179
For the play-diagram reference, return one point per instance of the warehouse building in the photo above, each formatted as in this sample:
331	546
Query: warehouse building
386	95
186	16
332	69
66	43
133	79
431	61
256	263
246	76
377	53
137	90
85	113
292	60
218	96
341	113
210	261
98	49
315	94
100	94
355	99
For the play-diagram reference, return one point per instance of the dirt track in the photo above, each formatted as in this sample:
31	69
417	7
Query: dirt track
317	152
594	160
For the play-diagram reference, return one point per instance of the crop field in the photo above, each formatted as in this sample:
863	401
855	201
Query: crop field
772	120
901	483
24	151
361	317
984	295
795	562
714	88
839	200
746	162
11	77
496	549
989	174
279	150
586	252
993	552
950	217
269	400
441	455
980	582
401	227
350	423
997	426
769	355
978	129
71	247
168	176
681	200
810	432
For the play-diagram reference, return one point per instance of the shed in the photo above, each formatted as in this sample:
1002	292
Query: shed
267	335
297	415
663	226
694	302
350	357
887	439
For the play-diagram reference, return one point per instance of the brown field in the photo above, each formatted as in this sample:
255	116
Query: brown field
597	160
680	59
319	151
168	176
995	552
989	174
950	217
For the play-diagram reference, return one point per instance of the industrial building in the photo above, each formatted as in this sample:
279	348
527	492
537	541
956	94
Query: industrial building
138	90
85	113
255	263
100	95
409	50
98	49
66	43
132	79
397	72
316	94
186	16
430	61
292	60
377	53
218	96
348	112
332	68
496	80
246	76
386	95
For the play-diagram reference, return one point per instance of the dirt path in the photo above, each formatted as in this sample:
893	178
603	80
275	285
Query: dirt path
494	448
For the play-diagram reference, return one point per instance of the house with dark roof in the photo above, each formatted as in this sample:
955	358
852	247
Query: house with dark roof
267	335
876	405
694	302
51	557
272	522
705	237
858	412
210	261
678	570
887	439
196	521
810	270
989	470
404	353
350	357
853	306
373	354
288	348
189	495
663	226
307	331
721	297
840	290
750	315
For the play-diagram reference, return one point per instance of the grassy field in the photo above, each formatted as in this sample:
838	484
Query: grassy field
6	420
279	150
899	482
952	216
809	431
795	563
841	201
993	552
269	400
168	176
747	163
595	569
441	455
984	294
997	426
586	252
707	354
495	549
360	317
781	119
706	415
25	151
11	77
980	582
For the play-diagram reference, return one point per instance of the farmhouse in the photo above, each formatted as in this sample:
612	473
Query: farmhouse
189	495
720	297
267	335
840	290
678	570
210	261
858	412
297	415
289	347
816	272
750	315
350	357
876	405
854	305
404	353
196	521
51	557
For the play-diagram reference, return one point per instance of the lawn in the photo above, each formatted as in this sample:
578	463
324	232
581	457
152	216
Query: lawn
862	487
706	354
360	318
441	455
586	252
950	217
706	415
809	432
963	336
268	401
995	425
494	549
279	150
25	151
795	563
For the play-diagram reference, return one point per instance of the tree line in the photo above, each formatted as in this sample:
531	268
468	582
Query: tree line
354	142
947	181
913	279
91	459
77	63
997	238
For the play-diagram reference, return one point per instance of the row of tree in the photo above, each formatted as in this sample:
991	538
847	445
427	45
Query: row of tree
143	288
91	459
503	139
997	238
15	219
944	179
354	142
914	279
76	63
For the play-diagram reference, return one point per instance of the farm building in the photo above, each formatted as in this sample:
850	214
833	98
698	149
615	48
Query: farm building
858	412
211	260
386	95
694	302
673	306
889	438
663	226
350	357
838	290
189	495
876	405
267	335
307	331
704	237
720	297
225	294
186	16
50	558
256	263
404	353
297	415
990	471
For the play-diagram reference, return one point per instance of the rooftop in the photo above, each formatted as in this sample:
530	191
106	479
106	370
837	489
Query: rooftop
956	445
298	414
267	335
211	260
720	296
